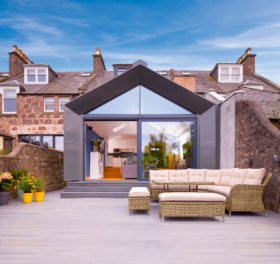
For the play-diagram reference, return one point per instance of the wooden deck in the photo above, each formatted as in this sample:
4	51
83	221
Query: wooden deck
101	231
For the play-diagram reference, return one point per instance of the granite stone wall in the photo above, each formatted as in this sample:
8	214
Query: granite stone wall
31	118
43	162
258	139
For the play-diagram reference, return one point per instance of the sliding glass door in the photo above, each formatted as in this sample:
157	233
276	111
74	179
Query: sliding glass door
167	145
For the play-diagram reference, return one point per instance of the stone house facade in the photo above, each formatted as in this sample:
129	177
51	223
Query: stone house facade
32	96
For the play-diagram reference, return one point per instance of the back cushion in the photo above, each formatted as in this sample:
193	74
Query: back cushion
237	177
178	175
226	175
159	175
254	176
197	175
213	176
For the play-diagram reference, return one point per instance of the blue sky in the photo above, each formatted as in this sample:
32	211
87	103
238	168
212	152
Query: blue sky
166	34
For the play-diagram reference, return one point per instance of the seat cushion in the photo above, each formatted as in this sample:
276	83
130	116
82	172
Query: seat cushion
159	175
213	176
237	176
197	175
180	187
139	192
254	176
178	175
156	187
223	190
191	197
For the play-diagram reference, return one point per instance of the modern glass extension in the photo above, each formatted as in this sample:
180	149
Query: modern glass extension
142	131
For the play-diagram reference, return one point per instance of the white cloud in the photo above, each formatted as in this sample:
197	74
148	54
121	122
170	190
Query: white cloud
25	25
259	37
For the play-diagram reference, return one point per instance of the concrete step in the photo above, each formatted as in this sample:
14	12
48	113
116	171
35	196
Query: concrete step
97	189
94	195
107	183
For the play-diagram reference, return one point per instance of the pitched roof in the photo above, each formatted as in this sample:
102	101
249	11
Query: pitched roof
146	77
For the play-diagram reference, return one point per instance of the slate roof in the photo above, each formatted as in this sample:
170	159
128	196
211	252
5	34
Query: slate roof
65	83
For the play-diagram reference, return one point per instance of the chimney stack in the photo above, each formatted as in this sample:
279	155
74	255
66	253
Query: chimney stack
16	60
248	61
98	63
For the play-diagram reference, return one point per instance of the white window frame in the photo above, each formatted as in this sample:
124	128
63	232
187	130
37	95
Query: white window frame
230	67
65	97
36	75
2	89
49	111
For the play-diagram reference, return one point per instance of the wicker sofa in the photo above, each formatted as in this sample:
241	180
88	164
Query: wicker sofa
243	188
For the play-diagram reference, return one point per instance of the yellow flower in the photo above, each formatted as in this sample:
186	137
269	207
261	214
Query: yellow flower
28	174
15	187
33	186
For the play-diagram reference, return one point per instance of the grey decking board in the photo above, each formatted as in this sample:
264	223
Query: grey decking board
101	231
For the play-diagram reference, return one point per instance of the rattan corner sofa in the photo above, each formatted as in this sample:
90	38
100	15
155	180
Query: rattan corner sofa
243	188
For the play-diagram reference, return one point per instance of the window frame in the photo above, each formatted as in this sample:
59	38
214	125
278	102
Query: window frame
230	73
36	69
49	111
28	137
59	100
2	92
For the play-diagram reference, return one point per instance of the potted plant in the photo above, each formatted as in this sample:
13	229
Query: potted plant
18	174
6	183
27	184
39	189
97	143
46	144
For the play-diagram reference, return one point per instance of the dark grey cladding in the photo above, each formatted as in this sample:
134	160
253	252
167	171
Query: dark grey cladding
146	77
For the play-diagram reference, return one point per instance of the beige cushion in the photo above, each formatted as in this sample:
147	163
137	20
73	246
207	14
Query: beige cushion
254	176
159	175
179	187
213	176
178	175
139	192
191	197
223	190
197	175
156	187
226	175
237	177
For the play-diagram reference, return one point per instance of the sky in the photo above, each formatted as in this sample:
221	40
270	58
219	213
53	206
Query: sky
177	34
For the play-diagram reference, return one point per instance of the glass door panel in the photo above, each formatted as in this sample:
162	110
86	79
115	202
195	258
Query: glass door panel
167	145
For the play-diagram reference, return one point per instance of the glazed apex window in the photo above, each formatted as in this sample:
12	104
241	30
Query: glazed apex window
49	104
62	101
9	101
35	75
230	73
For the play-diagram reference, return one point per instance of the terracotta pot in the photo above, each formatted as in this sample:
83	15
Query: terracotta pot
39	196
4	198
27	197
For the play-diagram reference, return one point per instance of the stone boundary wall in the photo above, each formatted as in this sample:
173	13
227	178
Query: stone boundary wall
43	162
258	139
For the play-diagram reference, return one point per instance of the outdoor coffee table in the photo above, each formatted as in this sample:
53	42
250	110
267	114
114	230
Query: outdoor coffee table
166	184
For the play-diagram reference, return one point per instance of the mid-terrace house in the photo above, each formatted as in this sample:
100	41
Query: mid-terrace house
32	96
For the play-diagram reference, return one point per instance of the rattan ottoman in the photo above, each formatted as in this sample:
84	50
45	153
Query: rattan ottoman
191	204
138	199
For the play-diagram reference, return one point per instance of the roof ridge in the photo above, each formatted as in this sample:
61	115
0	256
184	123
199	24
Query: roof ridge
269	82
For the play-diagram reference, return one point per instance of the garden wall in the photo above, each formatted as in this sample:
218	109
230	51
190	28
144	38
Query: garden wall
43	162
258	139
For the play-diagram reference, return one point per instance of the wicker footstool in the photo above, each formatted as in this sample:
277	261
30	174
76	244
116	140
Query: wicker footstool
138	199
191	204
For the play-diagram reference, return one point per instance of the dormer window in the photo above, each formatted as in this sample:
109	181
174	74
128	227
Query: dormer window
36	75
230	73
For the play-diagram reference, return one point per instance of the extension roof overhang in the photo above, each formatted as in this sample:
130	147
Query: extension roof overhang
140	75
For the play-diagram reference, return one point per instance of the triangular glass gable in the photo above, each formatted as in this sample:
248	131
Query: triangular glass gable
125	104
150	103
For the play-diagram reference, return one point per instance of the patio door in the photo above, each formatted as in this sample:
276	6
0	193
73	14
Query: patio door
166	145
